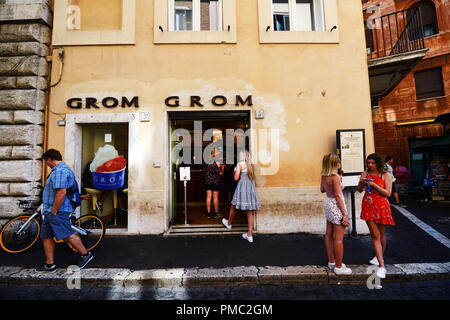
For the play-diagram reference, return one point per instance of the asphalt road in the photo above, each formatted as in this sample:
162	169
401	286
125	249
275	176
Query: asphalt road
421	290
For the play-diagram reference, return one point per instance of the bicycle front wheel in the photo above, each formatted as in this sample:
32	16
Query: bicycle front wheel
90	229
15	240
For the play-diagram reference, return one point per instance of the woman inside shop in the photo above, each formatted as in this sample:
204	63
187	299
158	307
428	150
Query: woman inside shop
213	182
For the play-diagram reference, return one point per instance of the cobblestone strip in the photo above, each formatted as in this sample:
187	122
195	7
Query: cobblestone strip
234	276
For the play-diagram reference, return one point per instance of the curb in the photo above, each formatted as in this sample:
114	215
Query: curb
234	276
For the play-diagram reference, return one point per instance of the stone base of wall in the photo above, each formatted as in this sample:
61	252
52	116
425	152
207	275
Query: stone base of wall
300	209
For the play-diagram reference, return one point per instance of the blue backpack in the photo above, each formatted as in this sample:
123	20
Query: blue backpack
73	193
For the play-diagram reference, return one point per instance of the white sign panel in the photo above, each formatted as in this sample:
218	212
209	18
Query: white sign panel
185	173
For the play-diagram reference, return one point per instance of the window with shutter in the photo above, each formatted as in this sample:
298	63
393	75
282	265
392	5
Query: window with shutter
429	83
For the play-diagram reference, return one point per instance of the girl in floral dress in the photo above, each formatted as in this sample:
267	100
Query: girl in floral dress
376	210
335	213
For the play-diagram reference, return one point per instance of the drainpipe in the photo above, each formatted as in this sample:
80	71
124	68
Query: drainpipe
47	107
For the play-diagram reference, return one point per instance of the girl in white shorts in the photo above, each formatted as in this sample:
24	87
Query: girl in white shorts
335	213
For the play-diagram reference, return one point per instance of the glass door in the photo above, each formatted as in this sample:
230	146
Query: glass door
172	174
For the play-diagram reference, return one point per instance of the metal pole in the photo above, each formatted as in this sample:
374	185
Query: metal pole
354	234
185	203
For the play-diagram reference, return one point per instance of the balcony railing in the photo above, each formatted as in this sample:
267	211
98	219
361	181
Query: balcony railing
395	33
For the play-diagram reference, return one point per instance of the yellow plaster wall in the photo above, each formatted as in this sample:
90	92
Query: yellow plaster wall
99	14
307	91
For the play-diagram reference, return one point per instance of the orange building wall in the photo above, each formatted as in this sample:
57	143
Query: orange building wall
401	104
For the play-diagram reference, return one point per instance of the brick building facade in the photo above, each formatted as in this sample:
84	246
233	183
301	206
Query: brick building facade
403	120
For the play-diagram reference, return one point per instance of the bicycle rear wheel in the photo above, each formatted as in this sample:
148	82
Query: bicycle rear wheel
14	242
91	229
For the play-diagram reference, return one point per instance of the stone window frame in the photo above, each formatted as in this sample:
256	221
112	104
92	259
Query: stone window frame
74	138
162	33
64	37
268	35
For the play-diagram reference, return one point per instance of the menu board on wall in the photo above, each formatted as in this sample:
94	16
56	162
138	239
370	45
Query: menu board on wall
351	148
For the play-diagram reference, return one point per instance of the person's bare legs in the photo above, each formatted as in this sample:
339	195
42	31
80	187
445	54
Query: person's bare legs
104	196
329	242
250	223
216	201
76	242
208	201
49	250
231	214
338	244
397	200
382	229
375	234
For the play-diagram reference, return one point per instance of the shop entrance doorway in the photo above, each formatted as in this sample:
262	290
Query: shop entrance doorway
192	136
113	203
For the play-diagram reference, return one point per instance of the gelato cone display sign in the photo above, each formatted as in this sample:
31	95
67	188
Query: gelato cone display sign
108	168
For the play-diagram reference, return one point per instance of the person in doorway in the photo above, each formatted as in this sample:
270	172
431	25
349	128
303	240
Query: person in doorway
213	179
428	184
244	197
335	213
376	210
389	167
57	209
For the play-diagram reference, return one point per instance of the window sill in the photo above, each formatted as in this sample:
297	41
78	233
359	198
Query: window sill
185	37
298	36
427	99
432	36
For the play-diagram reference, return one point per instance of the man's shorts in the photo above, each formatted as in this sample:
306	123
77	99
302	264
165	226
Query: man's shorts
57	226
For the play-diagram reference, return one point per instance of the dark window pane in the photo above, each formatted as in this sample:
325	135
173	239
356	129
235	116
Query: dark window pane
429	83
429	19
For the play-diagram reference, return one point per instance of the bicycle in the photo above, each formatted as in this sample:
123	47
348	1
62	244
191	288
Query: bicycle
21	232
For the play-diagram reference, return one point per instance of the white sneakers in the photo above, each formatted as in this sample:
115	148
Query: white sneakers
374	261
225	223
246	237
343	270
381	273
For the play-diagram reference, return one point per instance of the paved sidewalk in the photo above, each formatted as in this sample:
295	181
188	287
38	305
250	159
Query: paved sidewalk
411	254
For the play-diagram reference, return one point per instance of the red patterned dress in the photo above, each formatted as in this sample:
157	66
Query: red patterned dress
376	207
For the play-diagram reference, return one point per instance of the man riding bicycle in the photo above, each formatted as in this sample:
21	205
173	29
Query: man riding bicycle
57	209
